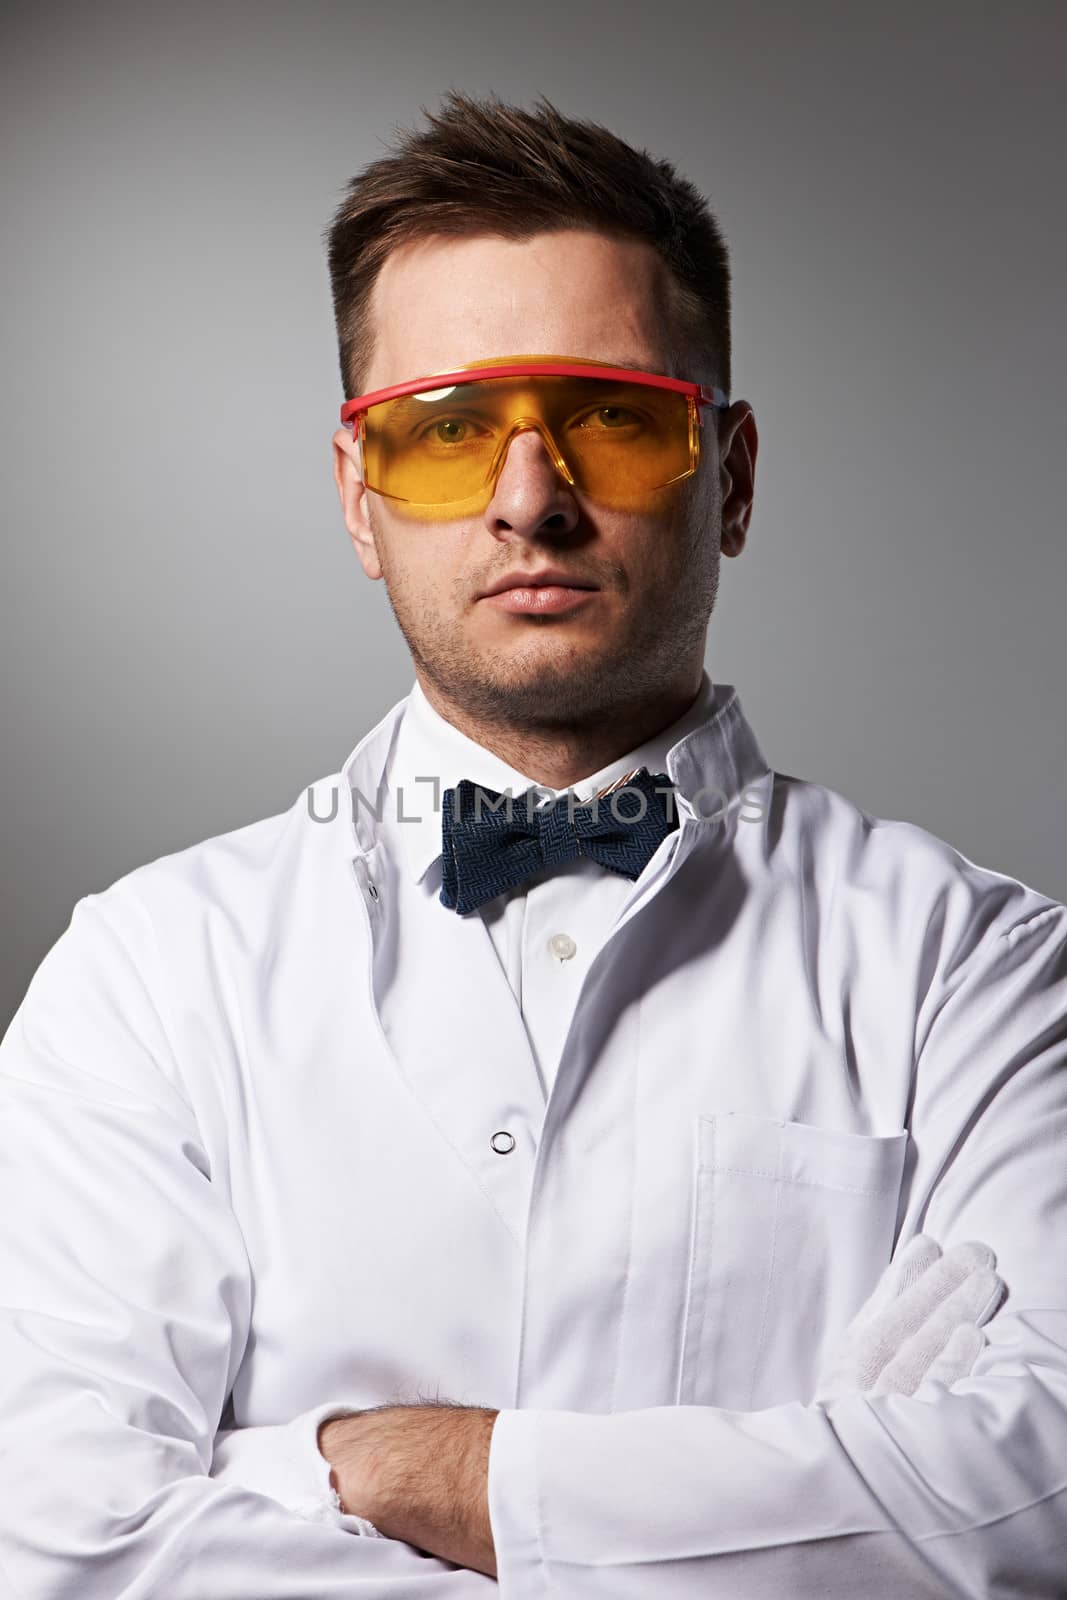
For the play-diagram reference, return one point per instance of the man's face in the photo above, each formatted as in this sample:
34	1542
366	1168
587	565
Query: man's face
442	303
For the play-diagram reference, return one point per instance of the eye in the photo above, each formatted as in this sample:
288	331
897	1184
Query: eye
608	418
448	431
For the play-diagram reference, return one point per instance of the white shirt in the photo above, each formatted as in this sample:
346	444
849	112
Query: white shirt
234	1203
545	931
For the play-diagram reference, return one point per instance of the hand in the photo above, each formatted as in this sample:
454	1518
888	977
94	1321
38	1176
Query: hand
923	1320
420	1474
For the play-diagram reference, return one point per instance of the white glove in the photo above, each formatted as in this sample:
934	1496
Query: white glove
923	1320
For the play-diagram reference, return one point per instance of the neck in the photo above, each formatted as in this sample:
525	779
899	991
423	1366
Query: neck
559	756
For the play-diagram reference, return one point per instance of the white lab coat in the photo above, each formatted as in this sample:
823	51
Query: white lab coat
231	1209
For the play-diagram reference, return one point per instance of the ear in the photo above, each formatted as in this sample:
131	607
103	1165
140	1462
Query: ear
738	443
353	492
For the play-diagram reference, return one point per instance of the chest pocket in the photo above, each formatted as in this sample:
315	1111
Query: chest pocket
792	1227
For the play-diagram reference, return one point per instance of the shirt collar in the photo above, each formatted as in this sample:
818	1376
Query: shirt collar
710	753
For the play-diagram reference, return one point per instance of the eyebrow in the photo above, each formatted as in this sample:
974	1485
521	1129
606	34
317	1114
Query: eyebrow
632	366
409	405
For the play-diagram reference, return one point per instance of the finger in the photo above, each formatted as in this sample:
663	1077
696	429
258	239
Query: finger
974	1252
942	1280
920	1286
959	1355
975	1300
884	1335
908	1265
907	1313
940	1340
970	1304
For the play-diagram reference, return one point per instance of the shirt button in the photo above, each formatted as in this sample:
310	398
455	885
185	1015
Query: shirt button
502	1143
562	946
372	890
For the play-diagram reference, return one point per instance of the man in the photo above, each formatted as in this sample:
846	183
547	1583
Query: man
419	1189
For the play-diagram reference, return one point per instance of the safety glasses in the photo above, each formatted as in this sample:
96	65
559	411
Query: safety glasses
614	433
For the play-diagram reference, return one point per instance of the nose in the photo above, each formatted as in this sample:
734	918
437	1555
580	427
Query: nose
530	492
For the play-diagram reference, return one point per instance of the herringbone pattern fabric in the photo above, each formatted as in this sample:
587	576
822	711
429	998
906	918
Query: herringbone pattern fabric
491	841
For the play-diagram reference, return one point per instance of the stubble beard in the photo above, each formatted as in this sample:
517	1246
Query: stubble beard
548	684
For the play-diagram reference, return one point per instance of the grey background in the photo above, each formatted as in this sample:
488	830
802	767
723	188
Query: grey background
187	637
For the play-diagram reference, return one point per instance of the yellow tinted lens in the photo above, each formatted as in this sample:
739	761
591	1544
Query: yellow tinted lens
617	440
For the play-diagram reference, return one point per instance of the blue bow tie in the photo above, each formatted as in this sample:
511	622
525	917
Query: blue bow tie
490	841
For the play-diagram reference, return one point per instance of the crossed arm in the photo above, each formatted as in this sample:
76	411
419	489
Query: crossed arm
957	1494
420	1474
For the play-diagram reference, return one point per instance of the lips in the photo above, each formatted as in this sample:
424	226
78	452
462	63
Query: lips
541	600
548	577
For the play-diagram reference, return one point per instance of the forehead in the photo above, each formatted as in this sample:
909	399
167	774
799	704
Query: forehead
439	303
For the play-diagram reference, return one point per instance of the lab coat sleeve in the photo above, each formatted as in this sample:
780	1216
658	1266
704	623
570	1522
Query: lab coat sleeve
125	1302
283	1460
950	1492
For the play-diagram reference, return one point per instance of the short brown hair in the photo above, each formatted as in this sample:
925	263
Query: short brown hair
487	167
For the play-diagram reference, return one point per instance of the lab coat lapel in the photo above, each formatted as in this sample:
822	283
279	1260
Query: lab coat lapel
462	1048
467	1055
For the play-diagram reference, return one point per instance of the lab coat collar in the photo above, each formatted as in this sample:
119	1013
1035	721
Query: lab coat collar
710	753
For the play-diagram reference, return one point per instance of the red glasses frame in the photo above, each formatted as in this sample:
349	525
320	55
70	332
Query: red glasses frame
521	367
